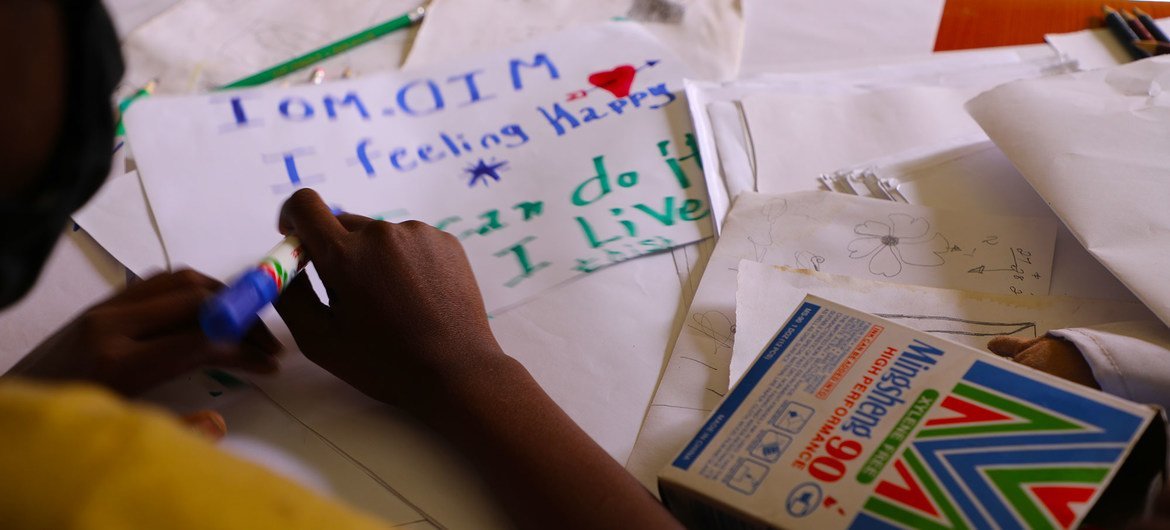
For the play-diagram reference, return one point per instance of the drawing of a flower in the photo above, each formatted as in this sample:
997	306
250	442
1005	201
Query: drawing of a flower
904	240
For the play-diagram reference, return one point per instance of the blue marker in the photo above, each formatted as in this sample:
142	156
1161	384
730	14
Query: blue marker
231	313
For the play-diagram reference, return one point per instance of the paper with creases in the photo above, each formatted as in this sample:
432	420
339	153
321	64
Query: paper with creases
1093	145
833	233
511	152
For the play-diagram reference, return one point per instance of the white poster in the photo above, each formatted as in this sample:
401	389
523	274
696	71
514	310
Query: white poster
548	160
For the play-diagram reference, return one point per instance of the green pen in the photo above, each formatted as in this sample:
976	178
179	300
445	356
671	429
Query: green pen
125	103
330	50
298	63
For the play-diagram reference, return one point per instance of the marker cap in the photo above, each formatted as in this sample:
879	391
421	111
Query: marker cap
229	315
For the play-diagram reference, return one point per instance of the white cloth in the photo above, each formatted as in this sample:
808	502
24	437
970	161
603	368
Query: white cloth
1129	359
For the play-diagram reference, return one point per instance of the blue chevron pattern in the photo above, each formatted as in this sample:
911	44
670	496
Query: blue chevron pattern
1058	431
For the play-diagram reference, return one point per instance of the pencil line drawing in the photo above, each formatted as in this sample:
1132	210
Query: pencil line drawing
904	240
945	325
772	211
715	326
700	362
809	260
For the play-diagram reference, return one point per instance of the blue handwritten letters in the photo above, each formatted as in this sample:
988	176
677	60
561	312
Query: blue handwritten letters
549	160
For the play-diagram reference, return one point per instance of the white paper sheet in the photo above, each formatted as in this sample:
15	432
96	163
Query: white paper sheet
1094	48
511	152
707	35
768	295
119	219
819	230
722	128
1093	145
202	44
128	15
781	34
976	177
798	137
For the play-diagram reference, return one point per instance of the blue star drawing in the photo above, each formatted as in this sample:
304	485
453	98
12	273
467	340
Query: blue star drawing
483	171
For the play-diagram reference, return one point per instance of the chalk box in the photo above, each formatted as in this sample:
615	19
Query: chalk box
847	420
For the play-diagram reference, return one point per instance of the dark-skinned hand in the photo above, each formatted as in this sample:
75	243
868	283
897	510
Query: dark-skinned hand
1048	354
144	336
405	318
406	325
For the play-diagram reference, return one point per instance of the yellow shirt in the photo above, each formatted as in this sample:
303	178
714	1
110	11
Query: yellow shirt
75	457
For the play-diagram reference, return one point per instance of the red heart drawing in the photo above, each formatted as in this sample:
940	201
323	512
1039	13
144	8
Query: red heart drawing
617	81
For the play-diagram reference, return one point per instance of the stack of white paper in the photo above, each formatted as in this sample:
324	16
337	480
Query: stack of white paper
1093	146
779	132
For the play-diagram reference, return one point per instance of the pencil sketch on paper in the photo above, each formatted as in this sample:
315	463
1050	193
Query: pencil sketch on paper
761	241
904	240
720	329
962	327
1017	272
808	260
714	325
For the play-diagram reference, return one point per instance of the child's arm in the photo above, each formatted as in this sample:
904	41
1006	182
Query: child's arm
406	325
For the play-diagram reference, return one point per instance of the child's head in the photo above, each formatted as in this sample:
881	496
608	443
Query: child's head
61	65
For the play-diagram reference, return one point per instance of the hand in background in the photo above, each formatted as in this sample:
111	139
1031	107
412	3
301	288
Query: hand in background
144	336
405	318
1048	354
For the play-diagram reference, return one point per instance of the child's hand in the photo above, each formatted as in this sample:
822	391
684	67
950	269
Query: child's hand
1053	355
144	336
405	319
